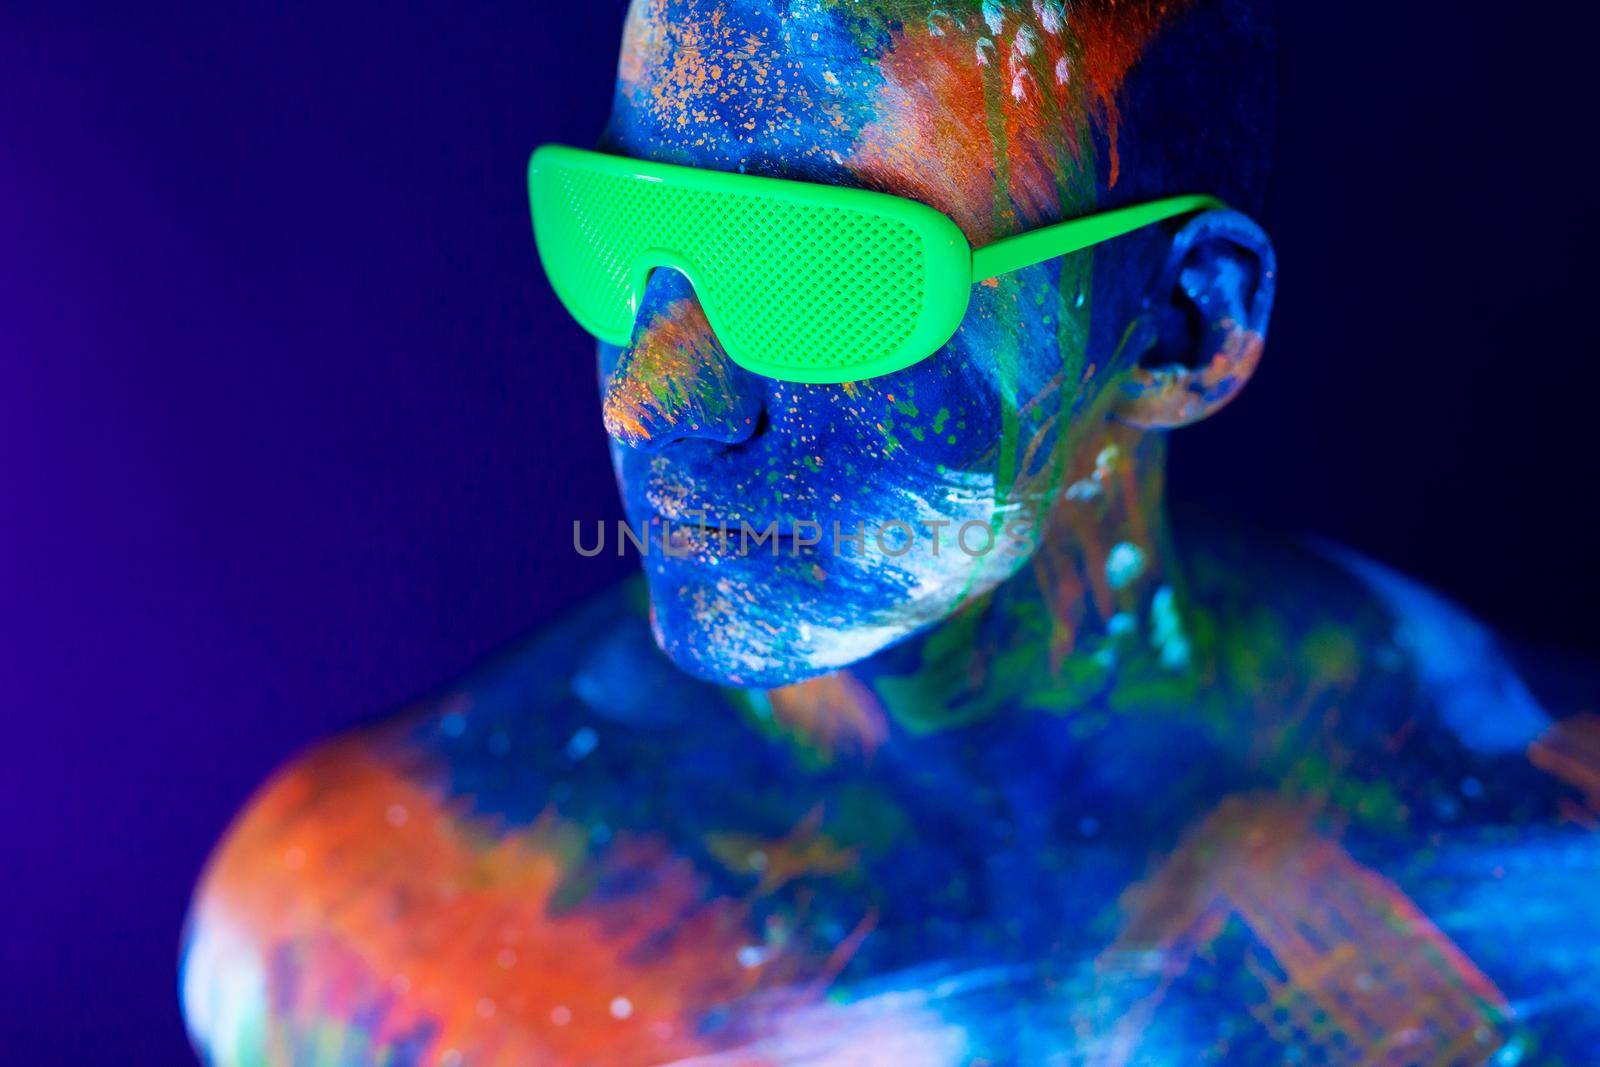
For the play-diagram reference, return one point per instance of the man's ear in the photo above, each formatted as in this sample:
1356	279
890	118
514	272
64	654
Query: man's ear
1205	323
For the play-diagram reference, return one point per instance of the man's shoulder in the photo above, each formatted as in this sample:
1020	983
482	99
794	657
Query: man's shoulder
395	825
1312	623
506	735
1467	671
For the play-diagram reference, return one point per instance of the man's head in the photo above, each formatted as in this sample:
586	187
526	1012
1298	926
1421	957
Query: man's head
1007	115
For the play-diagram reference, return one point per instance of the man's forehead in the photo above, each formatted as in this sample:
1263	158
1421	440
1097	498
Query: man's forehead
940	100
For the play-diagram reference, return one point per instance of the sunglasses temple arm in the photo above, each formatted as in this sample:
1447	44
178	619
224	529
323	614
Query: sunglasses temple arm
1064	238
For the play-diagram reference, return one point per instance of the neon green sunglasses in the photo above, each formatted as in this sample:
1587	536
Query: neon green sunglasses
800	282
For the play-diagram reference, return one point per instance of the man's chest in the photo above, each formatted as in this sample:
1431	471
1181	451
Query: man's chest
1004	897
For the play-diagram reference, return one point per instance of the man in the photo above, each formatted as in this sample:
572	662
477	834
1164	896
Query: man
960	759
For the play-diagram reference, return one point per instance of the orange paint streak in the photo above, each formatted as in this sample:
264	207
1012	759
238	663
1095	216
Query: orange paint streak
932	101
383	893
933	141
1353	950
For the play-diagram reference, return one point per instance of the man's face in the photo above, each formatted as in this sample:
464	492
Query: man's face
982	111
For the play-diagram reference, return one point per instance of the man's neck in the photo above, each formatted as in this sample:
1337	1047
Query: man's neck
1098	608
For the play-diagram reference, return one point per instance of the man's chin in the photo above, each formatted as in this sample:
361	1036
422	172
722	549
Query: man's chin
743	669
766	636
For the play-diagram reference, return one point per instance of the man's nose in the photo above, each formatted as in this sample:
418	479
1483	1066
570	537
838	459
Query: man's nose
673	381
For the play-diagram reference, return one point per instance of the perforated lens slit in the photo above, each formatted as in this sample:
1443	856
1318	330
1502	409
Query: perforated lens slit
798	286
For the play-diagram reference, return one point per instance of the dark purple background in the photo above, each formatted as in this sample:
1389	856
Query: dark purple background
291	430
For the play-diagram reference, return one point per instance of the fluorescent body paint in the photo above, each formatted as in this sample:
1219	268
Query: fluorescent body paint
861	94
1097	801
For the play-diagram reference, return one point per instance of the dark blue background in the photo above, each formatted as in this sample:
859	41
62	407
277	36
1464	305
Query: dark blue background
291	430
